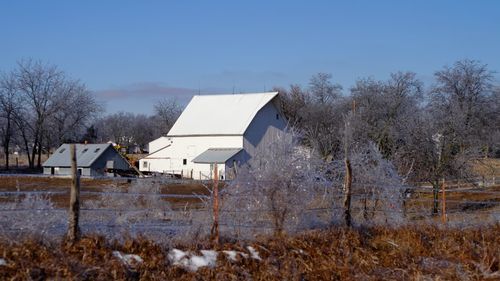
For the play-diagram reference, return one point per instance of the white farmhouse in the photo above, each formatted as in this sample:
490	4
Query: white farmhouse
223	129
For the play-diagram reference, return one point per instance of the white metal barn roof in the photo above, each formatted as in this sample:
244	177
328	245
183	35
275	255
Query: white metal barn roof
216	155
219	114
86	154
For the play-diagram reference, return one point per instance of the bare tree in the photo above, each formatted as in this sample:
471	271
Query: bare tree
293	101
143	130
492	131
461	102
385	110
39	84
116	127
126	129
323	90
316	113
457	116
9	105
70	121
166	113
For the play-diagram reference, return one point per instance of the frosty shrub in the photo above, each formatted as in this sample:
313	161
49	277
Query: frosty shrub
377	189
272	194
142	210
33	216
135	211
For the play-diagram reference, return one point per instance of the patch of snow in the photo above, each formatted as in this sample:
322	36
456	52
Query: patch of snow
129	260
231	255
253	253
3	262
176	255
192	262
208	258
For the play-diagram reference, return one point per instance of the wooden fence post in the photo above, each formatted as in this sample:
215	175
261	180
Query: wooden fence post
435	197
443	205
74	203
347	192
215	194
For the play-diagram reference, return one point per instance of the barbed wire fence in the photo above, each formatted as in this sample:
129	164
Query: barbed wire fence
143	210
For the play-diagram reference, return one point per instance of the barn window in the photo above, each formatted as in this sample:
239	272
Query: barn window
184	161
277	116
145	164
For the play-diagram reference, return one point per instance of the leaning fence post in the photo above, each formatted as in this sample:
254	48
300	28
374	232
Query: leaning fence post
74	202
215	194
347	192
443	205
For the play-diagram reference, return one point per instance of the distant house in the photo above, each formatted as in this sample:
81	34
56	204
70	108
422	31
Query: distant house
223	129
92	160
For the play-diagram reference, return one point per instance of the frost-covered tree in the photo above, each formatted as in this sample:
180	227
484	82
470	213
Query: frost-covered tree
275	190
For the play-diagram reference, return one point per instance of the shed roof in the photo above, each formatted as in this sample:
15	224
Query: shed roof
86	155
216	155
219	114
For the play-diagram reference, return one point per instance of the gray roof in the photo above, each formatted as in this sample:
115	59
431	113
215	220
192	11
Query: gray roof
216	155
86	155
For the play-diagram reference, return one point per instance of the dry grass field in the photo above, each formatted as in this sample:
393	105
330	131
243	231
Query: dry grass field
422	250
407	253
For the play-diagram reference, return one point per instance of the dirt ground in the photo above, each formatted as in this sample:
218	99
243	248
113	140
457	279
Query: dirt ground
58	184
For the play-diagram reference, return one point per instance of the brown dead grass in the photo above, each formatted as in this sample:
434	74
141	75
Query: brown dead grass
487	167
408	253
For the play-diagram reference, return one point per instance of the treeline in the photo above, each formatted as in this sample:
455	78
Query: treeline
41	107
135	130
428	133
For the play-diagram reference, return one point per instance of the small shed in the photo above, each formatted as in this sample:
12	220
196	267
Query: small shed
225	158
92	160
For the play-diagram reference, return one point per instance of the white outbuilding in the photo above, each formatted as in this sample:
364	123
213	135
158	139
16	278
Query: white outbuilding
223	129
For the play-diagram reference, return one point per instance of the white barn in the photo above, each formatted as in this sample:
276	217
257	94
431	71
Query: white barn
223	129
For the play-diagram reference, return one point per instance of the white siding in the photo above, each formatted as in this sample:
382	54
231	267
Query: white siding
158	144
267	127
170	159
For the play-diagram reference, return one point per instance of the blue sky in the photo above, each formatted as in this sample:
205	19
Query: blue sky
133	53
